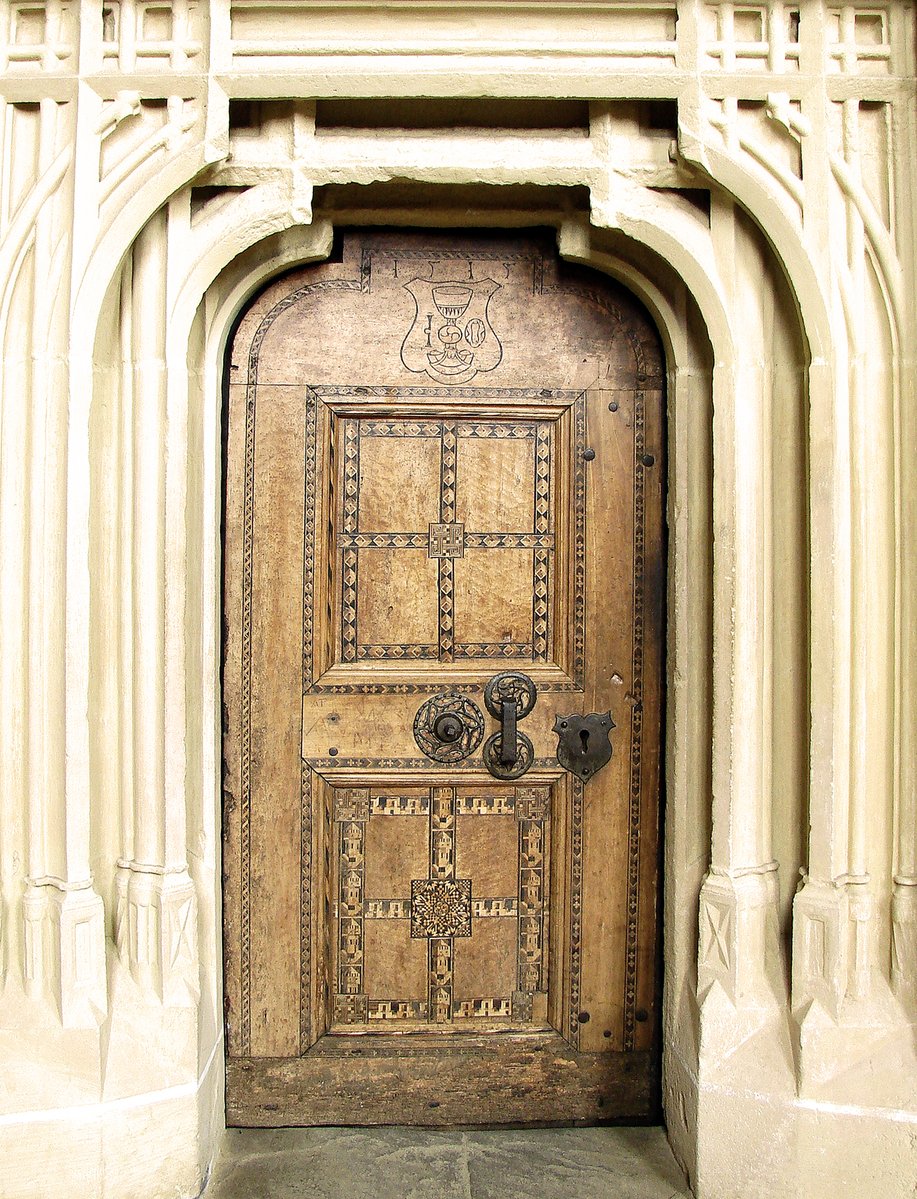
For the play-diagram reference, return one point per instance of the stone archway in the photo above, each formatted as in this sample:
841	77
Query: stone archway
739	491
688	334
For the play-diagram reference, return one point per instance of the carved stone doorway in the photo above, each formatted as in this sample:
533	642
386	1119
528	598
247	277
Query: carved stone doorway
444	605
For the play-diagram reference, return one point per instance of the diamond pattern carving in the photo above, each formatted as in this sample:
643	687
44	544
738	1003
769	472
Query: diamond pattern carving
368	523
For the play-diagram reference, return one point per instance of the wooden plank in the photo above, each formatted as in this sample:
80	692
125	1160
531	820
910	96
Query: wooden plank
476	1083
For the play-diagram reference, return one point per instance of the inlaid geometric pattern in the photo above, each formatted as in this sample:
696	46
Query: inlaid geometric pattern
446	540
441	907
414	941
424	507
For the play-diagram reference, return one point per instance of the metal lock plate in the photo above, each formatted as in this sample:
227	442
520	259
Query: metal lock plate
583	743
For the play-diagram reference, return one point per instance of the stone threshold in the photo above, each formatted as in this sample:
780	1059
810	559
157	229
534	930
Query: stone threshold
415	1163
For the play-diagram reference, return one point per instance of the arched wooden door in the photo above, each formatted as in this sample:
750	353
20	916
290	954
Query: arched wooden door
444	468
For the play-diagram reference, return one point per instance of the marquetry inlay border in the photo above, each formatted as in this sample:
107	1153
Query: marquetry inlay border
447	539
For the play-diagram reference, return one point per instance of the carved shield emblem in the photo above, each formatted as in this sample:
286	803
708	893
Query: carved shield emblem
451	338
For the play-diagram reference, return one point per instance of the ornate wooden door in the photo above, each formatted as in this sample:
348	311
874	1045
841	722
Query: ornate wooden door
444	464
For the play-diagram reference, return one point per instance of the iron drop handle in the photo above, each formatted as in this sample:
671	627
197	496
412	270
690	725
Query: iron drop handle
509	697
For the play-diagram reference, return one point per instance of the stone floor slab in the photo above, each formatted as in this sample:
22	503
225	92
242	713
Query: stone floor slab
412	1163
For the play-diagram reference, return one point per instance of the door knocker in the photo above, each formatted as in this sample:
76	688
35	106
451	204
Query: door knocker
509	697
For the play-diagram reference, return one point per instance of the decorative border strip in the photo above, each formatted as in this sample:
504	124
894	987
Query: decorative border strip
440	950
423	764
245	830
636	743
305	909
310	493
477	804
386	1010
362	284
365	391
530	944
400	688
385	541
493	649
351	892
541	540
399	805
389	653
576	909
350	504
541	559
306	797
446	573
509	541
579	541
401	428
495	430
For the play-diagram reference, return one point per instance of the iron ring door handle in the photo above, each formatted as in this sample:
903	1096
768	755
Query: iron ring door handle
509	697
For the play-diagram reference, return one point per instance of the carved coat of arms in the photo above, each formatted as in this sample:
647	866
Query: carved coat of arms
451	338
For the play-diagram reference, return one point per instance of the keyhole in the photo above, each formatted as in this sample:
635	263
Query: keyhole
584	737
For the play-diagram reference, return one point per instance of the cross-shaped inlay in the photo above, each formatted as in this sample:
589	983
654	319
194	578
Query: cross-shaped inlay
441	909
484	492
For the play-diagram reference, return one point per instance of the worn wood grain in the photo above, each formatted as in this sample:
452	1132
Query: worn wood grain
534	1080
445	460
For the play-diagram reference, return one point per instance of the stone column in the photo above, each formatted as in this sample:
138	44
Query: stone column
904	901
838	927
155	925
820	909
738	926
63	914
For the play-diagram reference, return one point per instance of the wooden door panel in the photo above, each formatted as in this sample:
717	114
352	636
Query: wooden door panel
444	461
450	531
441	907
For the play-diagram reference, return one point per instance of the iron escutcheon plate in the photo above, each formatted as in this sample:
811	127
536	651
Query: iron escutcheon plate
583	743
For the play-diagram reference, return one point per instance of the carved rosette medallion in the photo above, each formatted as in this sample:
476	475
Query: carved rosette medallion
441	907
430	728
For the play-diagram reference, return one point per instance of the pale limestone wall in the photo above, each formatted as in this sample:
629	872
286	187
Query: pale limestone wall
787	312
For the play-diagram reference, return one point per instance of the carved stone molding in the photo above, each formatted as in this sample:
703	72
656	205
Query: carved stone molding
904	944
738	936
820	946
64	934
156	932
